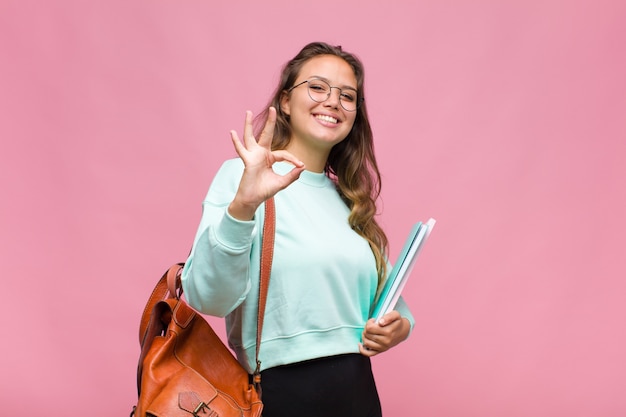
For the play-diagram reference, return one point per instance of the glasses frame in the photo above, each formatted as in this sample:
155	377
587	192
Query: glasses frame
359	100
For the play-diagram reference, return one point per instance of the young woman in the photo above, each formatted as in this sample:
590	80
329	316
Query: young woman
315	157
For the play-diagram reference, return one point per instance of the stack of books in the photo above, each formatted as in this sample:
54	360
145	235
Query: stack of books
401	270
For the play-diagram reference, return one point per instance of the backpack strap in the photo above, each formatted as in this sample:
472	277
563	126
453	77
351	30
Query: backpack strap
267	254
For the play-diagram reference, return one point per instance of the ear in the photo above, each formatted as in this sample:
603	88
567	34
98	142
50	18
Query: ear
284	103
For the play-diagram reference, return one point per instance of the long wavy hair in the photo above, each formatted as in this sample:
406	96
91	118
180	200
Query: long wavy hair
351	163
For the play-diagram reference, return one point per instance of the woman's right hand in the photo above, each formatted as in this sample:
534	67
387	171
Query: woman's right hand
259	182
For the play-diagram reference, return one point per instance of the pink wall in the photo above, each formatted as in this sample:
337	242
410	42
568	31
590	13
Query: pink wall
503	120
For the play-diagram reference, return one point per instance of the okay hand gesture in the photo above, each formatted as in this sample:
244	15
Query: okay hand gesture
259	182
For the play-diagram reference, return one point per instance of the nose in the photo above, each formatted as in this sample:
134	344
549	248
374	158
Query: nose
333	99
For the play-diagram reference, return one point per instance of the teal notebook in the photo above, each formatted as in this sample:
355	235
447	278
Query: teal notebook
400	272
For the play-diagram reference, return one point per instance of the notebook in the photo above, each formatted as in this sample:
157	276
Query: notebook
402	269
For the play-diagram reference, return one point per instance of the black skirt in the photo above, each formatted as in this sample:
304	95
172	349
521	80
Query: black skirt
341	386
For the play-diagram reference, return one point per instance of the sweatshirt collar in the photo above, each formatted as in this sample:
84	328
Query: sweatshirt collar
315	179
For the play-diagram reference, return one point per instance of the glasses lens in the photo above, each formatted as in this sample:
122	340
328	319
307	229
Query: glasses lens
319	90
348	100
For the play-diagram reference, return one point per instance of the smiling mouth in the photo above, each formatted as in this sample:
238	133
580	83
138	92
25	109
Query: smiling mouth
325	118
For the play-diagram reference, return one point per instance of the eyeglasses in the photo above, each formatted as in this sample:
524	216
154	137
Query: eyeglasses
319	91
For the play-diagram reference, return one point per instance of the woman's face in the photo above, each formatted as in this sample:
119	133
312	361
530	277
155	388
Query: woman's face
321	124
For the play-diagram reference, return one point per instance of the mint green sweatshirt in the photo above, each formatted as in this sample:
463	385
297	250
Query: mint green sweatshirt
323	279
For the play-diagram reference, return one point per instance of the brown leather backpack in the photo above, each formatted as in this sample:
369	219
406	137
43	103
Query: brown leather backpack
184	368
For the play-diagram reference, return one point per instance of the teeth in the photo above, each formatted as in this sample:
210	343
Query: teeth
326	118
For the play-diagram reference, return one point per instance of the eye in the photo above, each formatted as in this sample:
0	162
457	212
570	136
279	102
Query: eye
318	86
349	97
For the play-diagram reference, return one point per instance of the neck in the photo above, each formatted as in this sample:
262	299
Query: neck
314	158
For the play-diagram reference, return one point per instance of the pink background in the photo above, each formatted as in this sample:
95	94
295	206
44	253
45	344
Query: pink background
506	121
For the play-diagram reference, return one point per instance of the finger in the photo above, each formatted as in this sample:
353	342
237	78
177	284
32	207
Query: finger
268	130
290	177
239	148
389	318
248	133
373	328
282	155
371	341
376	345
366	352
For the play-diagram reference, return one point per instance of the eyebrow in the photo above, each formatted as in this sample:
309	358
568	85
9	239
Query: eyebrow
343	87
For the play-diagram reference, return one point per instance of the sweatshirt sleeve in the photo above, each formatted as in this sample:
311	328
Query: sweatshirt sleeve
216	278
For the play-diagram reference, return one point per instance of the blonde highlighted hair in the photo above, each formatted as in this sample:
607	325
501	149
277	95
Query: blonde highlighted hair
351	163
